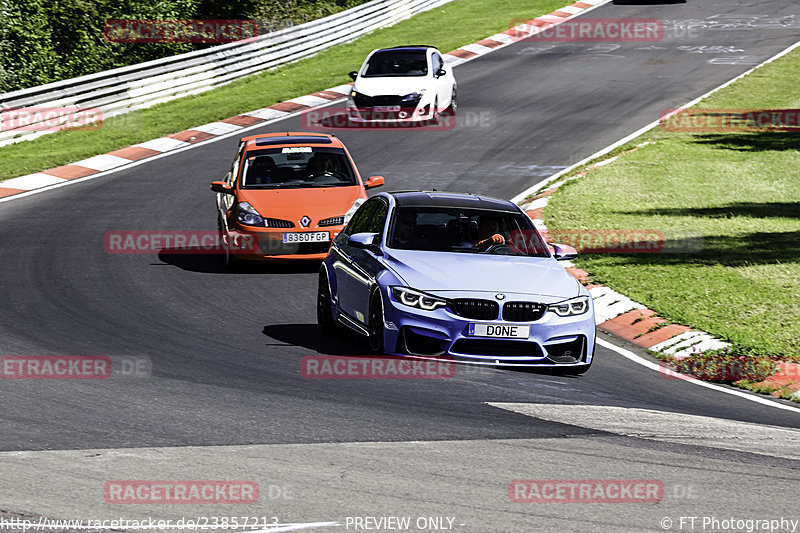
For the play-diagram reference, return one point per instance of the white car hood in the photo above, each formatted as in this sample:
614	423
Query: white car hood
390	85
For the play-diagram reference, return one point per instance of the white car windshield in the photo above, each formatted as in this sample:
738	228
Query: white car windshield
396	63
297	167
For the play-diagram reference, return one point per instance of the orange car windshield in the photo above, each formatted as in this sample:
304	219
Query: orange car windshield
297	167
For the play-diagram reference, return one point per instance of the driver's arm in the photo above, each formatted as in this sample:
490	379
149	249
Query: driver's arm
491	241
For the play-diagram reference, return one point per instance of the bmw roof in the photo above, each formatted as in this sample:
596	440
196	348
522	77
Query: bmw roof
450	199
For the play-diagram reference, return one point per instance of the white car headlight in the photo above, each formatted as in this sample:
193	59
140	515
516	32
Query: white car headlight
353	209
246	214
417	299
574	306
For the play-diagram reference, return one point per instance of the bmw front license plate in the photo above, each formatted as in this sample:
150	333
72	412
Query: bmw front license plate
308	236
386	108
501	331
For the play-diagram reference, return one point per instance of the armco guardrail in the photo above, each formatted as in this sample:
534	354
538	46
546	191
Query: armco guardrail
120	90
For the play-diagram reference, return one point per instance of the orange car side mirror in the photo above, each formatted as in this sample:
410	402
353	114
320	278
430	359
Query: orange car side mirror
373	181
221	187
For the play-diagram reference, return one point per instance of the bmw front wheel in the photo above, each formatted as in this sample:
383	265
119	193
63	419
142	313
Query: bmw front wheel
376	322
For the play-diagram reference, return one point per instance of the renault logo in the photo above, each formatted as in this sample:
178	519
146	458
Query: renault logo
305	221
500	296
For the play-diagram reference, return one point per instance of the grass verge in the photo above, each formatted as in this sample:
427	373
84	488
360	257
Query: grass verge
447	27
737	191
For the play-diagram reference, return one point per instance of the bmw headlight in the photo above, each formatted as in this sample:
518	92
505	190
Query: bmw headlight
246	214
352	210
574	306
417	299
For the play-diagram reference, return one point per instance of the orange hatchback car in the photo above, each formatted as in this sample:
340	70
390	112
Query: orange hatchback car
287	196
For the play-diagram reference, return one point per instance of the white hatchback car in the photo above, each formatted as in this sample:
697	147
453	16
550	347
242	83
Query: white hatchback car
405	83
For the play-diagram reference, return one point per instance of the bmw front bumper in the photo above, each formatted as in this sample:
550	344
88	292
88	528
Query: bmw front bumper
553	342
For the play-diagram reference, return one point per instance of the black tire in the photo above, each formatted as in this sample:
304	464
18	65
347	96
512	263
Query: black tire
324	311
230	261
436	114
451	110
376	322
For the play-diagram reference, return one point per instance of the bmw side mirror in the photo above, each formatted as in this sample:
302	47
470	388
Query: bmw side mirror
353	75
221	187
373	181
365	241
441	72
562	252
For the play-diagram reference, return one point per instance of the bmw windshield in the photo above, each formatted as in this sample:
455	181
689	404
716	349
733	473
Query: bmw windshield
297	167
454	229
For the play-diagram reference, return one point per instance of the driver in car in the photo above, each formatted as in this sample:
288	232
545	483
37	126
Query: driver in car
319	165
489	232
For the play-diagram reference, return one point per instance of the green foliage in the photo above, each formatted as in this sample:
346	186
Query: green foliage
42	41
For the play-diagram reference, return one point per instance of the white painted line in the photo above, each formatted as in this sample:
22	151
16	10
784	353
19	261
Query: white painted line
502	38
607	310
538	203
666	426
163	144
309	100
217	128
103	162
540	185
552	19
296	527
32	181
451	60
733	392
267	114
707	342
572	10
674	341
476	48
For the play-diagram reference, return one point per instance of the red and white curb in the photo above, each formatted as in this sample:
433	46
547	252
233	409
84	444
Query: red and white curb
625	318
118	159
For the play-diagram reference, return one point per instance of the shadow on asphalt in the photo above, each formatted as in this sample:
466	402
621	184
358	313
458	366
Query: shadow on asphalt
215	264
309	336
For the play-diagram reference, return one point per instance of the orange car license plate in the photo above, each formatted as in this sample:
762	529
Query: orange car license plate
307	236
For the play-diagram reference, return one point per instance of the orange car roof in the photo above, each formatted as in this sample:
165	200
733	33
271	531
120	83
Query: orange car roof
292	138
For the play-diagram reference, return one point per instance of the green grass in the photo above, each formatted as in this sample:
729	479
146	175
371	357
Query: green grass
739	192
447	27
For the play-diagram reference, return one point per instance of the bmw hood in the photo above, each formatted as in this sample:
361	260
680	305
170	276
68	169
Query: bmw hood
391	85
438	272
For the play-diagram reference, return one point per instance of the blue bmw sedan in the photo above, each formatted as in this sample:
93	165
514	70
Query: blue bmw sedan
459	277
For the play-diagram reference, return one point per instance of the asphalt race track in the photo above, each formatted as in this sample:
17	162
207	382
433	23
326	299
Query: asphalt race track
226	400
